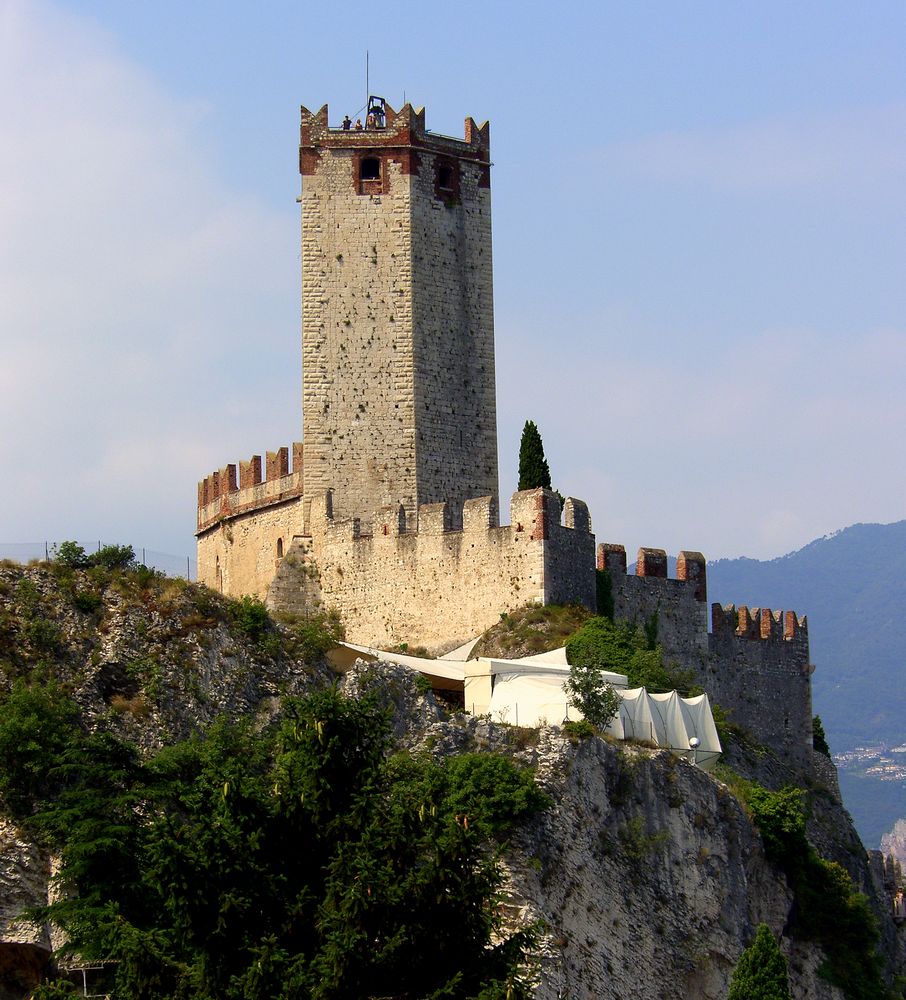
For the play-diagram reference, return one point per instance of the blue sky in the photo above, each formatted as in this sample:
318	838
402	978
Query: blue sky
699	248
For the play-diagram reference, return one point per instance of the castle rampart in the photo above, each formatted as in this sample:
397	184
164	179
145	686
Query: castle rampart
246	524
439	586
759	670
682	616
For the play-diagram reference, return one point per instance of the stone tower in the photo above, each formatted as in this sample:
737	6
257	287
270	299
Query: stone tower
398	392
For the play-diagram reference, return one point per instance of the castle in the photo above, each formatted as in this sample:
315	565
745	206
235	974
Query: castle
388	510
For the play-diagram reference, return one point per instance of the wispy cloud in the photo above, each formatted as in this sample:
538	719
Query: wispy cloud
131	275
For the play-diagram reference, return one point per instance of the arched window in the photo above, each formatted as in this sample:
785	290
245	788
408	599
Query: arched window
370	169
279	548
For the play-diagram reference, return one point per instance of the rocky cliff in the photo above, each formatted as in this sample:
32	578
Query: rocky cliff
648	876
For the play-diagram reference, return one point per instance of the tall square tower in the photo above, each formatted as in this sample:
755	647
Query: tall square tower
398	389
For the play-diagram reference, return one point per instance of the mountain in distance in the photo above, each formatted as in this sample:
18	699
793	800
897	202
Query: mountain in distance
852	586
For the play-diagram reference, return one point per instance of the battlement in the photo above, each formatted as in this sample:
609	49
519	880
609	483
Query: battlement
758	623
651	564
534	514
448	578
403	131
222	495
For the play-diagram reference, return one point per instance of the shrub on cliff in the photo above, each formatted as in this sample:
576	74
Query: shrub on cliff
830	910
298	861
624	649
761	973
592	695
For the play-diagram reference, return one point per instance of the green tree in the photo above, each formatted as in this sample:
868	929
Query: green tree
592	695
761	973
533	468
299	860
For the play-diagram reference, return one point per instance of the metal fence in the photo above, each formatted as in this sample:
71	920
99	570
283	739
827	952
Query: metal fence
167	562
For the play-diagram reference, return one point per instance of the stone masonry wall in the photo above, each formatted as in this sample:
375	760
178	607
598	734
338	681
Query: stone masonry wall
455	401
759	670
246	524
358	410
439	587
680	605
754	663
397	317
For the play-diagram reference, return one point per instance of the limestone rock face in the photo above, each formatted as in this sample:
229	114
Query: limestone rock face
894	842
649	877
24	946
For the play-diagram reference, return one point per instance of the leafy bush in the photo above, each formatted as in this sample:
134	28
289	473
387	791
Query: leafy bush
761	972
36	729
298	861
87	601
624	649
317	634
578	729
114	557
251	617
71	554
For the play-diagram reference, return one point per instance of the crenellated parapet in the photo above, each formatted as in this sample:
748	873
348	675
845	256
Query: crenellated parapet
389	580
758	623
235	490
678	604
402	137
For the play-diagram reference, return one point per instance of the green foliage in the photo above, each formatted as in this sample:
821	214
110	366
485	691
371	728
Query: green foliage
604	593
578	729
251	617
36	730
114	557
87	600
298	861
533	468
71	554
624	649
819	737
317	634
780	819
761	973
42	634
595	698
636	844
829	908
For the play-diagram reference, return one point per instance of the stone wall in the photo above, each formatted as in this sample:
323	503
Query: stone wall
438	587
680	604
397	318
246	525
754	663
758	669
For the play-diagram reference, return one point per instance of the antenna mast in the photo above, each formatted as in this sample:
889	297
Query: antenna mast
367	82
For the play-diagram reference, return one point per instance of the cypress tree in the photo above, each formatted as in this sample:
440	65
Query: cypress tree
533	468
760	973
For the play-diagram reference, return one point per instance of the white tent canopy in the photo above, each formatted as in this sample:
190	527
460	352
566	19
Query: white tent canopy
529	692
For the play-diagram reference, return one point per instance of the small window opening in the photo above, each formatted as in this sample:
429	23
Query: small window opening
370	169
279	548
445	177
